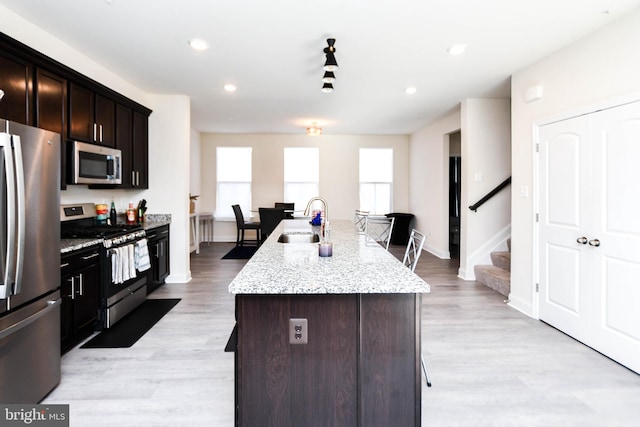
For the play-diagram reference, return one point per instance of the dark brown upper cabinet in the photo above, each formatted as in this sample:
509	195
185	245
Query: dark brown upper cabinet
91	116
132	140
140	160
16	76
51	111
42	92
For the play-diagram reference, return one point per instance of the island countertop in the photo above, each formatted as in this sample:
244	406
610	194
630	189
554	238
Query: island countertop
356	266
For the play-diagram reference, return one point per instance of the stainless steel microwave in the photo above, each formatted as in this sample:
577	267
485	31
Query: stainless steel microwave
94	164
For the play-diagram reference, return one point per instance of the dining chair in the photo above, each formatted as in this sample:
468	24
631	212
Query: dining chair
242	226
379	230
360	219
269	220
288	208
410	260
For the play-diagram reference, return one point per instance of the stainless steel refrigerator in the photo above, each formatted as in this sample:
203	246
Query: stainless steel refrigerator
29	263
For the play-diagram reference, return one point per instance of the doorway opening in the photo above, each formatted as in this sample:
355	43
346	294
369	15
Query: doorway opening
455	176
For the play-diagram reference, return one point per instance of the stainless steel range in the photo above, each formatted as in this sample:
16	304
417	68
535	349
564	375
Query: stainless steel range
124	248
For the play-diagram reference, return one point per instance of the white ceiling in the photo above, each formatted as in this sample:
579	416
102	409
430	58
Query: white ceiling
272	51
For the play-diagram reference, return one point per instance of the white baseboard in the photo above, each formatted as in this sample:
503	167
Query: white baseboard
522	306
179	278
434	251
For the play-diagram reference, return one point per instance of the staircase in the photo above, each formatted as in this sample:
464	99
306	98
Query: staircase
498	275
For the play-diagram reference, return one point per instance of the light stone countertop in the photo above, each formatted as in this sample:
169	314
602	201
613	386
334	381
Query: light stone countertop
295	268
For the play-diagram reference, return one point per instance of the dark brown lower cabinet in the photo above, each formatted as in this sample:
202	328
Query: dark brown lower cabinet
360	367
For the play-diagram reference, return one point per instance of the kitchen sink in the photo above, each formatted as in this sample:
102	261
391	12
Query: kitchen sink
299	237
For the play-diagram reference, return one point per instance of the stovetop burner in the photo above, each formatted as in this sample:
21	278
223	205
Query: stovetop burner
98	231
79	222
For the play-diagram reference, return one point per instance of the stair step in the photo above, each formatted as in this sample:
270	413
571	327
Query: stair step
502	260
494	277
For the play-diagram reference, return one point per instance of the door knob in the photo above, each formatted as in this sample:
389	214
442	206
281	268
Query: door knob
582	240
594	242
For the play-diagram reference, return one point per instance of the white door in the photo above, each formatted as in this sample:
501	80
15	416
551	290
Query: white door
616	226
563	217
589	230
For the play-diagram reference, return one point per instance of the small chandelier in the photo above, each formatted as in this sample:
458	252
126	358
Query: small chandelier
314	130
330	65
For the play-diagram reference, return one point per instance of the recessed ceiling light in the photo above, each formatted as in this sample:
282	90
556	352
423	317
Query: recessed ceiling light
199	44
230	87
411	90
457	49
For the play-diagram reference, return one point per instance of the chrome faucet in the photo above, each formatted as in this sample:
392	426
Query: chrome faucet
324	205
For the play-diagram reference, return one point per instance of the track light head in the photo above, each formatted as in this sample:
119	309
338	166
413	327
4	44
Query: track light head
329	77
330	63
327	88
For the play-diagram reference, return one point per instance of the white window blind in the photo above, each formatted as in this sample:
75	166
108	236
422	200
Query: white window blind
233	177
301	175
376	180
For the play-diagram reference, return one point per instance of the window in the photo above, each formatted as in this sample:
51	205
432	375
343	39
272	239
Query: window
376	180
301	175
233	177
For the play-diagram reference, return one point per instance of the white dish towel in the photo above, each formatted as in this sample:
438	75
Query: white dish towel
143	262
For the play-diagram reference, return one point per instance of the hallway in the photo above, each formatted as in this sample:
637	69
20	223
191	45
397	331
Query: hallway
489	364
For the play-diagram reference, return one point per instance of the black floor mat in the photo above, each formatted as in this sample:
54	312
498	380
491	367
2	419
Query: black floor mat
133	326
241	252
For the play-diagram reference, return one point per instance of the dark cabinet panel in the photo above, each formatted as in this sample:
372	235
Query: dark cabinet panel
124	142
140	161
16	78
80	113
105	120
51	111
390	363
80	289
158	242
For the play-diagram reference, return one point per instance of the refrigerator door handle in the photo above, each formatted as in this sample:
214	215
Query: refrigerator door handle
10	260
21	212
29	320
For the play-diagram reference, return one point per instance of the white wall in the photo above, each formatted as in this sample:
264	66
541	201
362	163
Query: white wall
338	170
598	71
486	162
429	182
194	166
169	157
169	141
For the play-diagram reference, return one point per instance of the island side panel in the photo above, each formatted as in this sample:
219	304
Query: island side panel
390	381
280	384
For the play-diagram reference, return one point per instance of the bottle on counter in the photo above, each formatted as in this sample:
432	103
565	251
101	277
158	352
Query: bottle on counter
113	216
131	214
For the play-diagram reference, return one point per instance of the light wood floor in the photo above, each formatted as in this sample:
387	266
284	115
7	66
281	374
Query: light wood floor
489	364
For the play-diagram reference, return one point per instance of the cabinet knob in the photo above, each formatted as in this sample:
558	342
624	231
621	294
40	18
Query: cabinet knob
594	242
582	240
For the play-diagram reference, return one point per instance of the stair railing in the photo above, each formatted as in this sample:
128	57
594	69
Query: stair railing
490	194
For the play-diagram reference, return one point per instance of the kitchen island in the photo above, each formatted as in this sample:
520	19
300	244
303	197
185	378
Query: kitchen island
327	341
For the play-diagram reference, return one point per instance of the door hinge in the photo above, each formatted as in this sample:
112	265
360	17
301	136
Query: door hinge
537	287
537	217
537	147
